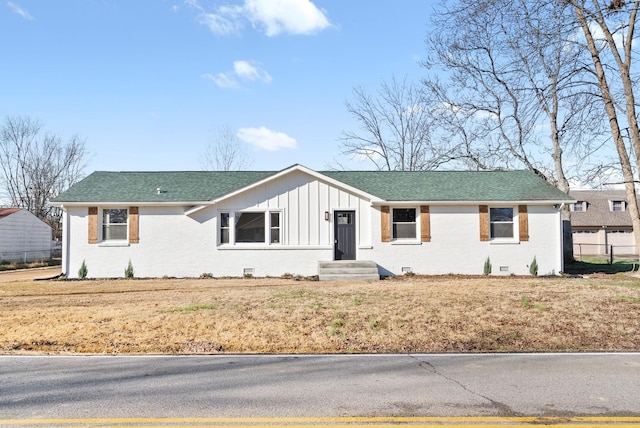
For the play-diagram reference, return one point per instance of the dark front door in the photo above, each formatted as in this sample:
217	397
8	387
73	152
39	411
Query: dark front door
344	247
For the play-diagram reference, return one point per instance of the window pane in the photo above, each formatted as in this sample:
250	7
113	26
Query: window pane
114	215
501	214
250	227
114	231
404	231
502	230
275	219
274	236
224	236
345	218
404	215
224	219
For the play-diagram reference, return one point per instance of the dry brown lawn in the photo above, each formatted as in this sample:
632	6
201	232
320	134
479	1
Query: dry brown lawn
274	315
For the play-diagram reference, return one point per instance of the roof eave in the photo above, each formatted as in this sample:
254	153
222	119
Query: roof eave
63	204
477	202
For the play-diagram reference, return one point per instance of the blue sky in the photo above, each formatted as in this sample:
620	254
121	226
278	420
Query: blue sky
148	83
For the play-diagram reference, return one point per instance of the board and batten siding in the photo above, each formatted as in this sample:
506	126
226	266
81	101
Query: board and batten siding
303	201
172	243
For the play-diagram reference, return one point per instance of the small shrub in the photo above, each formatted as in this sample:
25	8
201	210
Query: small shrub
82	272
533	268
206	275
526	302
128	272
487	266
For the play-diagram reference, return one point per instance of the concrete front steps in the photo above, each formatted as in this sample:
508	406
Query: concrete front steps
348	270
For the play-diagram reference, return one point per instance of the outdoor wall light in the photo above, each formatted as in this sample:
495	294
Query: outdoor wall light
326	215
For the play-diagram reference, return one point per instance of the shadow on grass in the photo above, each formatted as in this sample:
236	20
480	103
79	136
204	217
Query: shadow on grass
591	266
11	266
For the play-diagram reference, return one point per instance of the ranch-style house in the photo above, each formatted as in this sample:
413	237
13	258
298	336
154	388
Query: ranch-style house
265	223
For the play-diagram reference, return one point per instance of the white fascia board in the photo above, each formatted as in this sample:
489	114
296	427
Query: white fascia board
467	203
64	205
282	173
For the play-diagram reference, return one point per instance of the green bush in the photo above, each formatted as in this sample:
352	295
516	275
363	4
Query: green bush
487	267
82	272
533	268
128	272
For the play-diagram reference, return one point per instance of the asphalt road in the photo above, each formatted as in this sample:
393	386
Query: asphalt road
319	386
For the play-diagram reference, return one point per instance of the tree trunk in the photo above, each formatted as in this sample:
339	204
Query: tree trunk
625	163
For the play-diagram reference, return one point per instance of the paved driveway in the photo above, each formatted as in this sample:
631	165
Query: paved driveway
29	274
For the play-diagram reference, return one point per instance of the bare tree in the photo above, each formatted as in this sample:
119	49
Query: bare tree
225	152
512	78
395	128
610	29
36	167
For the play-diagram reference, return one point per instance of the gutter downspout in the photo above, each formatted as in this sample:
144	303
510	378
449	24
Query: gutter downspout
561	234
65	242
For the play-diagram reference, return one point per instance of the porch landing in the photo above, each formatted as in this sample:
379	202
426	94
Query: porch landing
348	270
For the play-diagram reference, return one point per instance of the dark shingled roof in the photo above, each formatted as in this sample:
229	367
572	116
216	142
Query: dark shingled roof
129	187
451	185
598	211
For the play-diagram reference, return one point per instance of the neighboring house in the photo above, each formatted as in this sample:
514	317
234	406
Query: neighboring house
186	224
600	221
23	236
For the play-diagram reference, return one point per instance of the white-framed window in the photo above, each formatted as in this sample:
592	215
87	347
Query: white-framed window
618	206
275	236
224	228
579	206
250	227
114	224
404	223
501	222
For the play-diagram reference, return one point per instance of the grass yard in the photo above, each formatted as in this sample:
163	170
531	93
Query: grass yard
276	315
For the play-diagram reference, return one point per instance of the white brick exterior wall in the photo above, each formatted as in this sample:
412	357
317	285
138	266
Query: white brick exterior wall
174	243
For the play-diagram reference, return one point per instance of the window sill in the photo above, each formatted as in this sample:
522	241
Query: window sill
240	247
113	244
504	242
406	242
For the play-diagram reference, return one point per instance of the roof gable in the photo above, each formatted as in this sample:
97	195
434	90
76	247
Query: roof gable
201	187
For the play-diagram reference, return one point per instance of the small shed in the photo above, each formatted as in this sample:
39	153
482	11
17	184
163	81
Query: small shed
23	236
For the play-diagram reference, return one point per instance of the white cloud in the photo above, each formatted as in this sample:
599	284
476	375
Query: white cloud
265	139
242	70
272	16
248	71
285	16
20	11
223	80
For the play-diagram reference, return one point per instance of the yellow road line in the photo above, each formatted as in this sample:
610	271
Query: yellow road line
337	422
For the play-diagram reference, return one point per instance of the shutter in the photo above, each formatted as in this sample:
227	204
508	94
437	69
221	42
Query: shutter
385	223
523	220
93	225
425	224
133	225
484	222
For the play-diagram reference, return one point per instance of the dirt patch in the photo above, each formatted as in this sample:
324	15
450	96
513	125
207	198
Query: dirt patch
29	274
415	314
